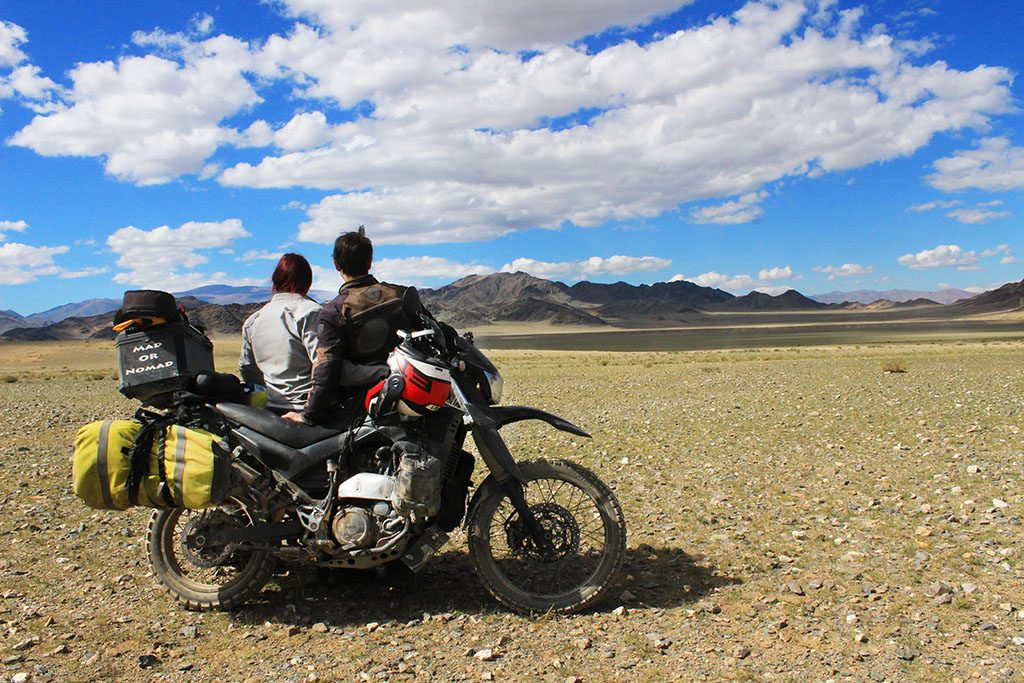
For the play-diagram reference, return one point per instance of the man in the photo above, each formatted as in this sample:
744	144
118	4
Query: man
356	332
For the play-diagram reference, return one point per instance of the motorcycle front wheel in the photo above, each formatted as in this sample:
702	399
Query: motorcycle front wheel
586	535
204	578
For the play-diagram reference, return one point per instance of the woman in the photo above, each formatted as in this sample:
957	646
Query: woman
279	340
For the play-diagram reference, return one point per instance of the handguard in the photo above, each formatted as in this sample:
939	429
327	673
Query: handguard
382	399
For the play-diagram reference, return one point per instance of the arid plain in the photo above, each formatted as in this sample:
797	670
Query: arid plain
794	514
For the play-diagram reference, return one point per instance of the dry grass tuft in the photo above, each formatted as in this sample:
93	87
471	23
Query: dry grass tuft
893	366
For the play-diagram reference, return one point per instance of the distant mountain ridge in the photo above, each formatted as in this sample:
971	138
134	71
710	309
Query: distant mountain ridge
519	297
898	296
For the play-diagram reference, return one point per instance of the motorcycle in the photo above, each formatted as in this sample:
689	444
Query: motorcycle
544	536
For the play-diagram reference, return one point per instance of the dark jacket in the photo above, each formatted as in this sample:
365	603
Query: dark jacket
356	332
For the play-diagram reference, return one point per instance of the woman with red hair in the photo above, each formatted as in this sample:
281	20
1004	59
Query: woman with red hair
279	340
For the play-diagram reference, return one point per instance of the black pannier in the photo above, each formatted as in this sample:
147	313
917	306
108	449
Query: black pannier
159	351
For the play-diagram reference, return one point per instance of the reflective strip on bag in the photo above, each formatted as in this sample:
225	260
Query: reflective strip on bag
181	438
101	465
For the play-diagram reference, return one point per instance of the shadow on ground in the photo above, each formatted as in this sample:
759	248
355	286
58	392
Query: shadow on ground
661	577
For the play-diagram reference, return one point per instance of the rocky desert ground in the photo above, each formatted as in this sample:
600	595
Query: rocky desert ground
794	515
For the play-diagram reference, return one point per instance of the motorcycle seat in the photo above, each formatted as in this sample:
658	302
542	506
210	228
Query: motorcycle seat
293	434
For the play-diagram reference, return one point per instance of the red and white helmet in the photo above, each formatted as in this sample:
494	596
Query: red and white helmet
427	383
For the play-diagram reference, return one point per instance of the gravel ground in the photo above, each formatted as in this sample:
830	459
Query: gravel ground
793	515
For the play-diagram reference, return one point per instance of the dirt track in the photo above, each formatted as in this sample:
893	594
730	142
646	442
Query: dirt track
794	515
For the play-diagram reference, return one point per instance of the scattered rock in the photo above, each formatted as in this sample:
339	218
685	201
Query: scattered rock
484	655
795	588
908	654
190	632
148	661
582	643
319	627
741	652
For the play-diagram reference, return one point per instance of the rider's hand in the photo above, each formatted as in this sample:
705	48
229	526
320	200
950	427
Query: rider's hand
295	417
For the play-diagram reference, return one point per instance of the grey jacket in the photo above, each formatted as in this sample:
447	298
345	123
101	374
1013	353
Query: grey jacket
278	347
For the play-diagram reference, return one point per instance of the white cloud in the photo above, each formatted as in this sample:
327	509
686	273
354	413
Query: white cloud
447	131
976	215
21	263
593	266
743	283
260	255
744	210
845	270
784	273
84	272
151	118
23	80
14	226
937	204
419	269
166	258
304	131
995	165
951	256
11	38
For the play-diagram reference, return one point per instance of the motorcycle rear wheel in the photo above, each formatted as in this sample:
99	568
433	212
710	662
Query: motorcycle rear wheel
204	579
584	524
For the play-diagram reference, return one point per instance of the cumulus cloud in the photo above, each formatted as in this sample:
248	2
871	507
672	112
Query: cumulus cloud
19	78
845	270
21	263
151	118
951	256
711	111
419	269
84	272
452	132
743	283
591	267
13	226
744	210
995	165
167	258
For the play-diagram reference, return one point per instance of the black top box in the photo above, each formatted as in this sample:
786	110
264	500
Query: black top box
159	360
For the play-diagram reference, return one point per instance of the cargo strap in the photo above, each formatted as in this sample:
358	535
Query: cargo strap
153	424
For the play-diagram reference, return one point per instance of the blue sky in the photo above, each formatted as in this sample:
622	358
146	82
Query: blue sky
813	145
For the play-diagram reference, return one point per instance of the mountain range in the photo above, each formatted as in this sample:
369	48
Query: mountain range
869	296
518	297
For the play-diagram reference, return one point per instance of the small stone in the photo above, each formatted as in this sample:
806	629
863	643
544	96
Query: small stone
658	640
190	632
148	661
319	627
582	643
969	588
25	644
186	666
372	626
973	469
620	611
741	652
293	631
484	655
943	599
851	619
61	650
938	588
795	588
923	531
485	676
907	654
860	638
986	626
999	504
20	677
13	659
573	679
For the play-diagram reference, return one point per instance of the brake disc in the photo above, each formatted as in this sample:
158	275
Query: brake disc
560	528
194	544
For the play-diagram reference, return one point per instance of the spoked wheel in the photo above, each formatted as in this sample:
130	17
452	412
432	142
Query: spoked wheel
200	575
585	532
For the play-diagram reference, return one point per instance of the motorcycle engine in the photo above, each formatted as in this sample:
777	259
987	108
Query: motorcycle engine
354	527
